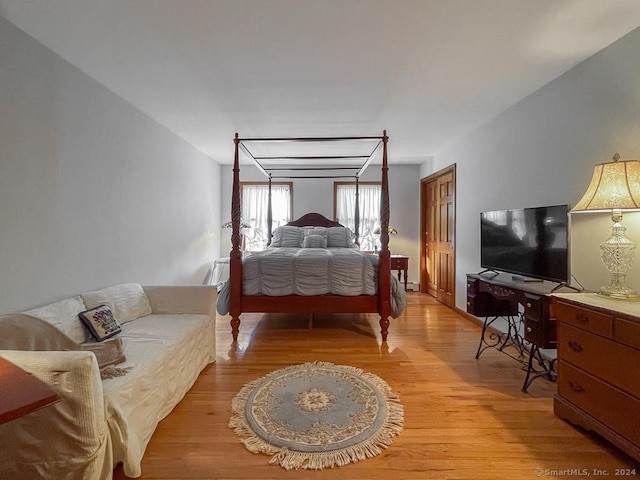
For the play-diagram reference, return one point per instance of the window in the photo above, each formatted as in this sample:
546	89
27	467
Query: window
255	202
344	202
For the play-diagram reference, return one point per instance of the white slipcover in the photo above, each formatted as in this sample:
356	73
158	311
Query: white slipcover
100	423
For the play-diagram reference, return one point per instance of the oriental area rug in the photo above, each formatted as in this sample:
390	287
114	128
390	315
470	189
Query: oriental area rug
317	415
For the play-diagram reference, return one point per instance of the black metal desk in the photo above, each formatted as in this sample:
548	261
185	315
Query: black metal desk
524	306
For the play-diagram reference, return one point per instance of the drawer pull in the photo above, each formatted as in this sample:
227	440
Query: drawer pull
575	346
576	387
582	318
528	304
529	330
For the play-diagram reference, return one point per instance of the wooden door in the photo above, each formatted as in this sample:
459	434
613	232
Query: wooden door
430	245
438	236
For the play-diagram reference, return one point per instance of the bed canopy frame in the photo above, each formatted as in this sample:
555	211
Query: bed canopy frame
331	166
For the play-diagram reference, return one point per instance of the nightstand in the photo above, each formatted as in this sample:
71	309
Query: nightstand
401	264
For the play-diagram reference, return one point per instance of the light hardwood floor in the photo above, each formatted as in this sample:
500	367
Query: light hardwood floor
464	418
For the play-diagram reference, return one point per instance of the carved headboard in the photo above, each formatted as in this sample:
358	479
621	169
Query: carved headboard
313	220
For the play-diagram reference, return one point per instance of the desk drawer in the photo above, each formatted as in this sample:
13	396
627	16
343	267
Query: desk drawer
608	404
533	306
476	307
539	332
594	322
472	286
482	305
603	358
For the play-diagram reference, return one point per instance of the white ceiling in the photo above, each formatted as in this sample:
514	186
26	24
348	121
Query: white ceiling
428	71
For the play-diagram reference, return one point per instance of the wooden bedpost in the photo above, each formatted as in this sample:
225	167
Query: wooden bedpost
269	215
384	265
357	214
235	260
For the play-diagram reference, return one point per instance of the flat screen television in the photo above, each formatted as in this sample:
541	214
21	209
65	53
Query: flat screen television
532	242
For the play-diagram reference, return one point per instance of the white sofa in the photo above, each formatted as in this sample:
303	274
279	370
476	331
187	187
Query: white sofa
168	338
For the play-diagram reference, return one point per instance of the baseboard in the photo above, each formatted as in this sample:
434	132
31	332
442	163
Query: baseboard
468	316
413	287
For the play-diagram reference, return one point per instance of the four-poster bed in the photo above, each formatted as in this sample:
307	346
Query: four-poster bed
370	299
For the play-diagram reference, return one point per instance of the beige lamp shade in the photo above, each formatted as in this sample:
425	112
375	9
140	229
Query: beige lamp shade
614	185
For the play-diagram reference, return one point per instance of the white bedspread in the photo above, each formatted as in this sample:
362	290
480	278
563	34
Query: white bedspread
280	271
308	271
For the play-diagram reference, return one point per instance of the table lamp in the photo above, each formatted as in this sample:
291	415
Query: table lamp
243	225
390	228
615	187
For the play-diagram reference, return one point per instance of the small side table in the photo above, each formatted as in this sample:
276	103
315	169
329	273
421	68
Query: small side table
220	271
401	264
22	393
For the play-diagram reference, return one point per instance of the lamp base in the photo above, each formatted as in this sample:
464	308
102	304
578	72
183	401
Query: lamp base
619	294
617	254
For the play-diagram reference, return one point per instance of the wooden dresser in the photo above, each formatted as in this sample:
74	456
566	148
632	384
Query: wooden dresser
599	366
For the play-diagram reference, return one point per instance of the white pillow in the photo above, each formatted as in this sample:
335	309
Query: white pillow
127	301
315	241
64	316
315	231
276	237
287	236
340	237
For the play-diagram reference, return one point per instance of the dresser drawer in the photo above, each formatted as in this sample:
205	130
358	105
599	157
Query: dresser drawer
595	322
615	363
609	405
627	332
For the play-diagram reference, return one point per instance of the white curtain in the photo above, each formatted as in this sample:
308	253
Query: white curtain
369	202
255	201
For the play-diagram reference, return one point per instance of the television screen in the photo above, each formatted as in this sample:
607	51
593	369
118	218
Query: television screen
533	242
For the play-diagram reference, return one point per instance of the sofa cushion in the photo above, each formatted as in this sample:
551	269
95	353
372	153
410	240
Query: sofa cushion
167	352
100	322
64	316
127	301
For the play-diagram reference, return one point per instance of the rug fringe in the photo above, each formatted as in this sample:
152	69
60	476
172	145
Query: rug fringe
288	459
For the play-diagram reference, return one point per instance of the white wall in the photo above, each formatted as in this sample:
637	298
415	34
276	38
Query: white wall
317	196
92	191
542	152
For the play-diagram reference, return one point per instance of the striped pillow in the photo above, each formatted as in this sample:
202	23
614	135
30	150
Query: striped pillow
287	236
339	237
